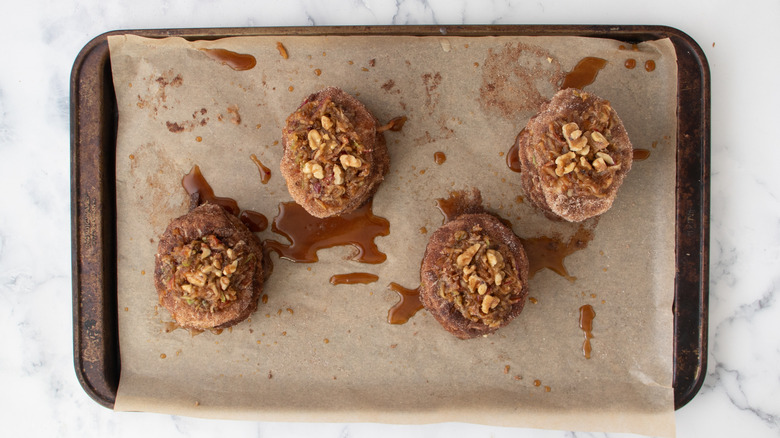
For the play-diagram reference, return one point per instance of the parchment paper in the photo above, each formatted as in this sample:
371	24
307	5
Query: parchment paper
318	352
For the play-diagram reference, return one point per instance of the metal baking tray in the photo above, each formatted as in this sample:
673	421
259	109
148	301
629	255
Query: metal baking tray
93	209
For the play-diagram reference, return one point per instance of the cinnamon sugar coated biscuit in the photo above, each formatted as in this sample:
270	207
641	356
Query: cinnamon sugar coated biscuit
474	275
574	155
209	269
334	158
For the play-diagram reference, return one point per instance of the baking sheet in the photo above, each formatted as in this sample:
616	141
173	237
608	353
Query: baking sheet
394	373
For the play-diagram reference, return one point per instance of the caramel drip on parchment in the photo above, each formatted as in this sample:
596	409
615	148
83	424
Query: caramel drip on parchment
408	304
584	73
195	184
256	222
586	325
353	278
236	61
547	252
308	234
265	173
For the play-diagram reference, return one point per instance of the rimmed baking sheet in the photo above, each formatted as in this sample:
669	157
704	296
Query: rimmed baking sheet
94	127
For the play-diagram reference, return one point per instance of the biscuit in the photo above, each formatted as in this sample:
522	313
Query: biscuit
574	155
474	275
209	269
334	158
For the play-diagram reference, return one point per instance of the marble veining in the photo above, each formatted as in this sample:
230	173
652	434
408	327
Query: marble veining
41	396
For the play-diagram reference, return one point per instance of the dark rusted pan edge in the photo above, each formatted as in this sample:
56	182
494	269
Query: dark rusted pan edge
691	309
93	209
93	224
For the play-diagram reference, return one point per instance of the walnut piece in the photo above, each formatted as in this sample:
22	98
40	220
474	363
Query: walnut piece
315	139
338	175
566	163
607	159
599	165
326	122
349	161
489	302
465	258
598	140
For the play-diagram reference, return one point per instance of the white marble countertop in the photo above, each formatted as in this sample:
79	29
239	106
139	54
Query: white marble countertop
41	394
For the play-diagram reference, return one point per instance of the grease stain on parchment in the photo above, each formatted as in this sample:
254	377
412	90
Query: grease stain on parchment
153	185
156	96
518	78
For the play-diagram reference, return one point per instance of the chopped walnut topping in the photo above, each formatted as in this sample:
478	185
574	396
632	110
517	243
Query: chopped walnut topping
196	269
333	161
585	157
483	286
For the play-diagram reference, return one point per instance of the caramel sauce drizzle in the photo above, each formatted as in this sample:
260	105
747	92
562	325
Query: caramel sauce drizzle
584	73
308	234
586	325
236	61
395	124
256	222
641	154
546	252
458	203
439	157
630	63
195	184
513	155
650	65
265	173
353	278
407	305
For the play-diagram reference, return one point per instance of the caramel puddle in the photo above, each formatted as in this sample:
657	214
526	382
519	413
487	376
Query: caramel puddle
308	234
